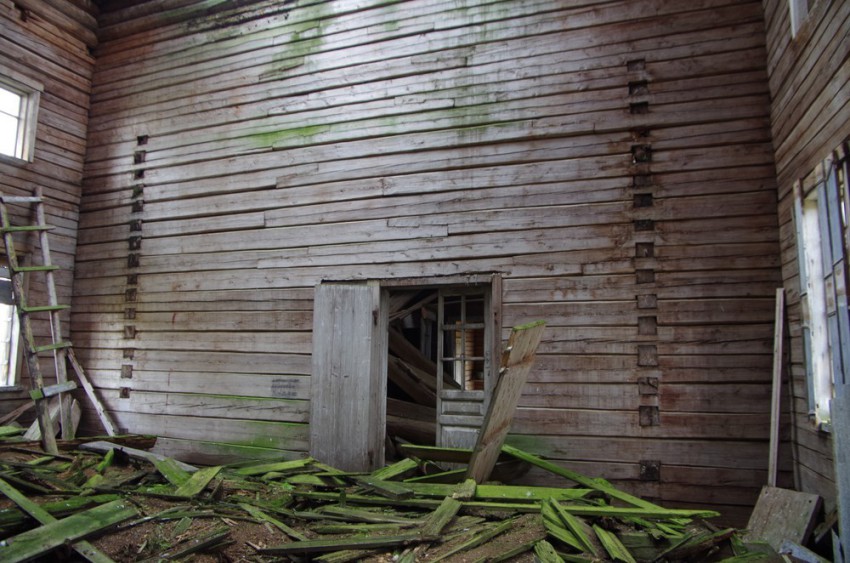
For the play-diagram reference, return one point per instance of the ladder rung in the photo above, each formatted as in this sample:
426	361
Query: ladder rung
37	268
20	199
51	347
51	390
45	308
26	228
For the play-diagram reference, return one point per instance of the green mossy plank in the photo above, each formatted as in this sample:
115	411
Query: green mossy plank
389	489
583	510
170	469
284	467
453	477
325	545
558	532
434	453
352	528
693	545
11	517
501	492
106	462
545	553
466	490
194	545
613	545
8	431
478	538
82	547
581	530
197	482
437	520
39	541
344	556
578	478
307	479
262	516
429	504
397	469
356	515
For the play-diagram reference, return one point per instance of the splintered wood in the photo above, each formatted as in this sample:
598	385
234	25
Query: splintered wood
123	504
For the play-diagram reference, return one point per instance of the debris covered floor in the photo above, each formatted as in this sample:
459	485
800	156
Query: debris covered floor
122	503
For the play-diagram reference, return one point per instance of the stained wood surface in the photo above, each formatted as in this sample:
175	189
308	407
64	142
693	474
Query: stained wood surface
267	147
782	514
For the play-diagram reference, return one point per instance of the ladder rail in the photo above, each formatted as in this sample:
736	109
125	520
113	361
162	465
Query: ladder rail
59	354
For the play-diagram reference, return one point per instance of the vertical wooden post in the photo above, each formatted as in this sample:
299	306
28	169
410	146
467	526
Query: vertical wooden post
778	334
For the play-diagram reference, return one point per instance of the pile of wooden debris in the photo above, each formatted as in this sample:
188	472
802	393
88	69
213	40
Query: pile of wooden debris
109	501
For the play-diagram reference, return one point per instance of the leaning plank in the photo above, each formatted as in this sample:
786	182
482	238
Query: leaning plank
105	419
41	540
17	412
103	447
778	338
82	547
322	546
579	478
517	360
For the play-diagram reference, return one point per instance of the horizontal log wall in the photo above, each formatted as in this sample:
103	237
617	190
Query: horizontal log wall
46	42
611	159
810	88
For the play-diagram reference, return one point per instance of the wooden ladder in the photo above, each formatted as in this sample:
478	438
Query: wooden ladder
60	348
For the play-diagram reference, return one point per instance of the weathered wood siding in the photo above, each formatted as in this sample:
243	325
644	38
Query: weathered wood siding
47	43
810	118
612	159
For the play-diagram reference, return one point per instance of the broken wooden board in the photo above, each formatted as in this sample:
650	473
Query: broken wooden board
782	514
82	547
32	543
516	362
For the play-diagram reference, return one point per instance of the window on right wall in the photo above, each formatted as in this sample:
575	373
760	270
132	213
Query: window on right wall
823	240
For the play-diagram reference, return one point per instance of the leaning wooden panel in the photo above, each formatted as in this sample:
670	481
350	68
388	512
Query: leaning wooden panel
348	410
516	363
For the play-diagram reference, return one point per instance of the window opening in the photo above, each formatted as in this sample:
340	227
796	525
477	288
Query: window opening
9	332
821	211
462	336
798	12
19	98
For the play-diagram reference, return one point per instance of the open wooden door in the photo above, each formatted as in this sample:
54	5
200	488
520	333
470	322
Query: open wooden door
348	398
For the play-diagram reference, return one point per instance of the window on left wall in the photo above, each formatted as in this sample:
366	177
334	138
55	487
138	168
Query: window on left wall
9	332
19	99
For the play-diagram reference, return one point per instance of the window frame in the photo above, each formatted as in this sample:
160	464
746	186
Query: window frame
30	92
821	207
11	375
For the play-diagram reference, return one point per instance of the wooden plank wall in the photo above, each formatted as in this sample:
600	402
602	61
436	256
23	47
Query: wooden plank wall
612	159
48	43
810	88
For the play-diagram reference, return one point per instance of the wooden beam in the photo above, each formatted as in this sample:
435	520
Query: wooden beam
778	340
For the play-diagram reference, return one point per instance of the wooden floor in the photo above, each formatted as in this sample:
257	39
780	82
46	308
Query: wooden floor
611	159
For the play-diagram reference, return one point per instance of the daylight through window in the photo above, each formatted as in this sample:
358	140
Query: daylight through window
18	116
